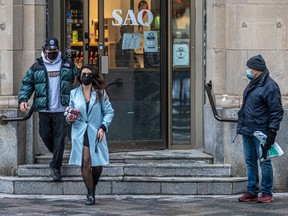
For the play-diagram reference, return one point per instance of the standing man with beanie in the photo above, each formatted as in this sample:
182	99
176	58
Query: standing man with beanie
50	78
261	111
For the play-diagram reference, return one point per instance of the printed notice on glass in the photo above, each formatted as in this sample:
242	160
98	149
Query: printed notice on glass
131	41
150	41
180	55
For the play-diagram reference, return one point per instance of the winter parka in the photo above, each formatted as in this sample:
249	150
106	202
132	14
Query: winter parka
36	80
262	108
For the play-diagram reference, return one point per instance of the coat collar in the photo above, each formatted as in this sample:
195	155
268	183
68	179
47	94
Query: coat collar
259	81
93	98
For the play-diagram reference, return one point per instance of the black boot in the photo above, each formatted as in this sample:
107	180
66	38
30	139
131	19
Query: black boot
87	195
56	174
90	196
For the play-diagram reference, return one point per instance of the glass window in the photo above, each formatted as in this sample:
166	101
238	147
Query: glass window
132	44
74	34
181	107
129	32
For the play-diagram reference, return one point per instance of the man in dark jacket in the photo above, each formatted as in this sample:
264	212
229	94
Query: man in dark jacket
50	78
261	111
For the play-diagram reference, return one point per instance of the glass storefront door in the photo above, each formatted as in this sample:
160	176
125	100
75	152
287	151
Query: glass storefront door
122	39
181	109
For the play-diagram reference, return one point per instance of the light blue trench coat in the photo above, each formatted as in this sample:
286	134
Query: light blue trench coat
99	112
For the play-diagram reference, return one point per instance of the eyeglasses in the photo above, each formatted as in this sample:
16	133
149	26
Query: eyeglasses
87	74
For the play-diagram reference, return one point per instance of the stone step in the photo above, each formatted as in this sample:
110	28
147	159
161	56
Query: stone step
126	185
193	156
42	170
165	172
120	169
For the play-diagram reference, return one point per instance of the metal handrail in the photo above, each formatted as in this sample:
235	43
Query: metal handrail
4	119
208	88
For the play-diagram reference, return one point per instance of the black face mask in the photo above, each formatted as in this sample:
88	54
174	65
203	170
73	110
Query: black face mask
52	55
86	80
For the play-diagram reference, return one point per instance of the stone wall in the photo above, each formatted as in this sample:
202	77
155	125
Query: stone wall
237	30
13	139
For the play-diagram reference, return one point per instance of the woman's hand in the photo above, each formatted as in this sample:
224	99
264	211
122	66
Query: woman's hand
100	134
71	118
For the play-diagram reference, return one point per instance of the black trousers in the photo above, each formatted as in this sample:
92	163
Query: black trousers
52	129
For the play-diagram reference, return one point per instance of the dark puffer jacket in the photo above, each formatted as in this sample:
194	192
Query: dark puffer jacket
36	79
262	108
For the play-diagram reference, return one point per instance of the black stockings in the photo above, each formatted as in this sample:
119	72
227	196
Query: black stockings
96	173
90	174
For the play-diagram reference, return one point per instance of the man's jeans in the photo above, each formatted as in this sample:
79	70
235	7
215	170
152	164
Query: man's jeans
251	154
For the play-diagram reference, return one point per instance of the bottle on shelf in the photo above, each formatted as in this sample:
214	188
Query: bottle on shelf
80	17
91	58
76	59
81	59
76	16
95	59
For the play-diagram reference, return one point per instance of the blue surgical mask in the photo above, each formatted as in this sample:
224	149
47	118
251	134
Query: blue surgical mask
249	74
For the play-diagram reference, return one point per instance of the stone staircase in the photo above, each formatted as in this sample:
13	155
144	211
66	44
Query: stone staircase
165	172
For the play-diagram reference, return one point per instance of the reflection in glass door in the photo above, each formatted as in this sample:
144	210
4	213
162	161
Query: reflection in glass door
132	37
123	41
181	88
75	31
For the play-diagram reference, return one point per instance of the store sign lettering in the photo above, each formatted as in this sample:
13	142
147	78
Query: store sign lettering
130	18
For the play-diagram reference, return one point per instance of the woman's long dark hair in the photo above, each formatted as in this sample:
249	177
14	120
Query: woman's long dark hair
98	82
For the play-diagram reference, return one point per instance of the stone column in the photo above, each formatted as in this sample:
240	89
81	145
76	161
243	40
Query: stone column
22	32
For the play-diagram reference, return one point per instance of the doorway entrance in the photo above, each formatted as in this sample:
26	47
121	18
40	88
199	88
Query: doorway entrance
122	38
146	52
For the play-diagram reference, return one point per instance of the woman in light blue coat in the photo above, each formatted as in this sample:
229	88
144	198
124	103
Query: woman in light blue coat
89	146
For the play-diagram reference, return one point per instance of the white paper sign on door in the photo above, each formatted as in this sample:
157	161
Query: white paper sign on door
131	41
180	55
150	41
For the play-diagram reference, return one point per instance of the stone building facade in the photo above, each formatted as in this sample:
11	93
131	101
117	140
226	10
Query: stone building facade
234	30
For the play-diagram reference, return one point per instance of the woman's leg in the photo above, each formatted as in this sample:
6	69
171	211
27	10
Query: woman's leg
86	168
87	176
96	173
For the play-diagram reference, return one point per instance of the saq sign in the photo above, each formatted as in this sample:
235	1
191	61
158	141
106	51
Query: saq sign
130	18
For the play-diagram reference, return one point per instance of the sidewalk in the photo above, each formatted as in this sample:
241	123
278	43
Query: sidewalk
25	205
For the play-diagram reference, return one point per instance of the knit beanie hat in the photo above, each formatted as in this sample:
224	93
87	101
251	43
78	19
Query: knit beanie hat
257	63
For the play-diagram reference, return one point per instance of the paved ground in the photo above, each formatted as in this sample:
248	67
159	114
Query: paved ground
139	205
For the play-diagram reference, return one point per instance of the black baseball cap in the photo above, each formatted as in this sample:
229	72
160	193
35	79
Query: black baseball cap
51	43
